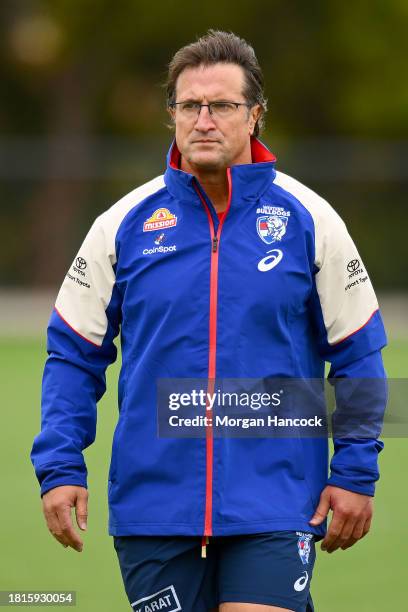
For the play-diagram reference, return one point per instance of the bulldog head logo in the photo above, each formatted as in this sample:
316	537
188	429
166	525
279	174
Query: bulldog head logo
271	228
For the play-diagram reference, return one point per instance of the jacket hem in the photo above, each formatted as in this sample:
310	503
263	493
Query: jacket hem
195	529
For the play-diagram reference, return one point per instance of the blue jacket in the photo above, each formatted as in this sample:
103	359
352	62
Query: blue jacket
274	288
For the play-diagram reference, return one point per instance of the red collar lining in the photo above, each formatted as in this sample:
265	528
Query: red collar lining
260	153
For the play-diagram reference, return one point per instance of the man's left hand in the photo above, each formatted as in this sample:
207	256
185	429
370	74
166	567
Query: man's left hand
351	520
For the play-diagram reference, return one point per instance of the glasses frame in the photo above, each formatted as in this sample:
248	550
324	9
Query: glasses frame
173	105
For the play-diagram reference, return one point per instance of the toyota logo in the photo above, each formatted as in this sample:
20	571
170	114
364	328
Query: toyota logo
353	265
80	263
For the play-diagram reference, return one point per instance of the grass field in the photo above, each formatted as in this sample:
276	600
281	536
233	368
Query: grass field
369	577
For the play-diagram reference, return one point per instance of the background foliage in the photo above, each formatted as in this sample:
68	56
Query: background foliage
82	117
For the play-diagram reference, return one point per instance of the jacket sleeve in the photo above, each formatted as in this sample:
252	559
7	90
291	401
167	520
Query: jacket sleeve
350	335
80	346
361	397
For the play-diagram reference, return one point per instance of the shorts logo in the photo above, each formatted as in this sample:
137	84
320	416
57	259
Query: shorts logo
303	545
270	261
271	227
301	582
162	218
165	600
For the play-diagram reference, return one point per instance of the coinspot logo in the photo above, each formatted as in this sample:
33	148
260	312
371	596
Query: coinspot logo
160	249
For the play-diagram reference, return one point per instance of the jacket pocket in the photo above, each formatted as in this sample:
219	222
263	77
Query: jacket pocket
116	441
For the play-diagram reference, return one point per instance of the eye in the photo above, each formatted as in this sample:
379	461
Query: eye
223	107
189	106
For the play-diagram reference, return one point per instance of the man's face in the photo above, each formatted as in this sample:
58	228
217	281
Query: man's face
206	141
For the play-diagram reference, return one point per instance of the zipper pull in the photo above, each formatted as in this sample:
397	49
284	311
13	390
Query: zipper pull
215	244
204	543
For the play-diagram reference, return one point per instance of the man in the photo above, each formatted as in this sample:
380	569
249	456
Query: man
223	267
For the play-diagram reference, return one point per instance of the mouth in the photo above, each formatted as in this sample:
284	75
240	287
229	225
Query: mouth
205	140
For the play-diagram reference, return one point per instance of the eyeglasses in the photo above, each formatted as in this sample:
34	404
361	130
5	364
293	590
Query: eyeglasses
191	110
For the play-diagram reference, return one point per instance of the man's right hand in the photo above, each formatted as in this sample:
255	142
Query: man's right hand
57	504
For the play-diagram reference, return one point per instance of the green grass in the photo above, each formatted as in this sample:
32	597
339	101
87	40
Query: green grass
369	577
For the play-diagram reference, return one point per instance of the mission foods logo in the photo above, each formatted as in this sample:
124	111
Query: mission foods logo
162	218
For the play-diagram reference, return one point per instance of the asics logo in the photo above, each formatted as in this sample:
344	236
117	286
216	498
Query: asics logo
270	261
301	582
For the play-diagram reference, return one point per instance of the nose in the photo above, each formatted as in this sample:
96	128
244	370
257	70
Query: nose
205	120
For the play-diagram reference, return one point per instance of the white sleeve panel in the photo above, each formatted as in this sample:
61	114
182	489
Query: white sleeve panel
345	291
87	288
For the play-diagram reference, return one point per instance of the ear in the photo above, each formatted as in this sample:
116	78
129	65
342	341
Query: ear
254	114
172	113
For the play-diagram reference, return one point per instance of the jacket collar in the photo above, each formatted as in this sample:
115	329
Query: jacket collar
249	181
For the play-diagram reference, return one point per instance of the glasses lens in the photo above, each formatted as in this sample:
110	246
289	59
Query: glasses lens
219	109
189	109
223	109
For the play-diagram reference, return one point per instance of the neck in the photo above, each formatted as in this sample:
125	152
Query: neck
215	184
215	181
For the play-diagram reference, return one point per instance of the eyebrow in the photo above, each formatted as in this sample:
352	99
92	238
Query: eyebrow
210	102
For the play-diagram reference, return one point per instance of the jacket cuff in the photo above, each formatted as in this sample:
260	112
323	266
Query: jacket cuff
54	475
355	482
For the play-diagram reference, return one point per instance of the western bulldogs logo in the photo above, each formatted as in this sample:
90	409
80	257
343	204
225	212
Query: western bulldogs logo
271	228
304	547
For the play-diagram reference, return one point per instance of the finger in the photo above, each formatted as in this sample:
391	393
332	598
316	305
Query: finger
367	526
335	529
60	538
355	536
68	531
54	528
345	536
321	510
351	541
81	510
358	530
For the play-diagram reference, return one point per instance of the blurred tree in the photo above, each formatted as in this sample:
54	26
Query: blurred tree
329	68
72	70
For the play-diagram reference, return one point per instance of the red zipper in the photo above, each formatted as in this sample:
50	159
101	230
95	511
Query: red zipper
215	240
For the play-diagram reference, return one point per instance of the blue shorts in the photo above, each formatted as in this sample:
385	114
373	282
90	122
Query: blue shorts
167	573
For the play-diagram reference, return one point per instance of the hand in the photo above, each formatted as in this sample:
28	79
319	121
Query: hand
351	520
57	504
